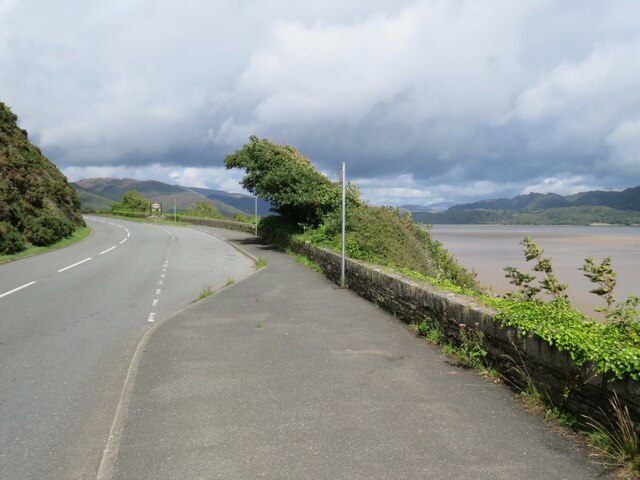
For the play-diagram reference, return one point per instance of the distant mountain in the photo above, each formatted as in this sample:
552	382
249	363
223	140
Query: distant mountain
36	201
245	203
628	199
546	209
432	207
100	193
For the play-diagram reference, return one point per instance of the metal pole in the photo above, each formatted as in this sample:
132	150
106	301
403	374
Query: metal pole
256	213
174	211
344	218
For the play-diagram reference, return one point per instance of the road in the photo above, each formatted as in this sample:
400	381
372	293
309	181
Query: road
69	323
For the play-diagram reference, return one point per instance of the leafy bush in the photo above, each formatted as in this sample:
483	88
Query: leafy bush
46	230
612	348
203	209
384	236
11	240
132	201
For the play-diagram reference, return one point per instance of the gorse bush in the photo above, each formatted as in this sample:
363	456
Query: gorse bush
45	230
11	240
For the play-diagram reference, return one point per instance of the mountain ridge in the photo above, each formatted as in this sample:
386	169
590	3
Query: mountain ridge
100	192
627	199
584	208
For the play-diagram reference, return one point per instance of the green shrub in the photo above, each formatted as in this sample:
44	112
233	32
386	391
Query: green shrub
11	240
45	230
612	348
203	209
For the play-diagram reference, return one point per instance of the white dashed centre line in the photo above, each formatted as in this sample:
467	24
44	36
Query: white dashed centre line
107	250
158	291
75	264
155	302
151	317
16	289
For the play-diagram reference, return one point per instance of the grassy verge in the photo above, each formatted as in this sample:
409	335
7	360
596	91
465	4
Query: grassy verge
302	260
206	292
78	235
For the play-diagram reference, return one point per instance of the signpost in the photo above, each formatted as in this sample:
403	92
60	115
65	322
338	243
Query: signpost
256	213
155	207
343	180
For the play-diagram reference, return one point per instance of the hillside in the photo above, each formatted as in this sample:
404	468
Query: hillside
551	216
628	199
244	203
37	204
586	208
100	193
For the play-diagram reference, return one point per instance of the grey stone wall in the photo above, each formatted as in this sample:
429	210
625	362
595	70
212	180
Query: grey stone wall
214	222
519	358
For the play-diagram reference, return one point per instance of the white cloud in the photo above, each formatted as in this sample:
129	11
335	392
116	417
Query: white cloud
468	98
563	185
214	178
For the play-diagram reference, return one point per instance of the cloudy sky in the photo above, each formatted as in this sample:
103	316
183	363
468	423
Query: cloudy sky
426	101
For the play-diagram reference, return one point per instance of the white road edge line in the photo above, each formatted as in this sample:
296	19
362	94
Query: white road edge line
16	289
108	250
123	241
75	264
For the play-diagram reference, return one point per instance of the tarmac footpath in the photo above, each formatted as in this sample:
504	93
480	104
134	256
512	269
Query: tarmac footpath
286	376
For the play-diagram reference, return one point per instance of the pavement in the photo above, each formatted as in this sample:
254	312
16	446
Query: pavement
286	376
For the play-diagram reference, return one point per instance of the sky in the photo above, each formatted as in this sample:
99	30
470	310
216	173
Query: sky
426	101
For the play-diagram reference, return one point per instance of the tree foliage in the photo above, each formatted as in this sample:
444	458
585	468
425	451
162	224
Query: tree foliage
132	201
204	209
285	177
11	241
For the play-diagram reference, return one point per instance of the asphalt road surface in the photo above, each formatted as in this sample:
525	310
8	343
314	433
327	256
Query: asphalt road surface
69	324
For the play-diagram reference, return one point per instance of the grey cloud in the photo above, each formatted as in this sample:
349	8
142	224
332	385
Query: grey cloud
450	98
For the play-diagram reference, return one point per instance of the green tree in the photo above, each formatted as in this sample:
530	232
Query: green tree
285	177
205	210
132	201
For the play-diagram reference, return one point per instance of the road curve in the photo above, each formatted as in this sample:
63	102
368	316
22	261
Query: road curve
69	323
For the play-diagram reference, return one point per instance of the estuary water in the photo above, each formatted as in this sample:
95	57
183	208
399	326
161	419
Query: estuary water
489	248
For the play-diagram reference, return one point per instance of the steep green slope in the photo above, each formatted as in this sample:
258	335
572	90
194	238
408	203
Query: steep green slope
91	201
37	204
